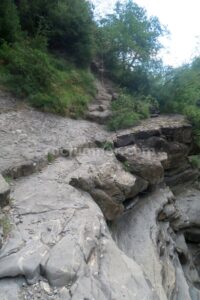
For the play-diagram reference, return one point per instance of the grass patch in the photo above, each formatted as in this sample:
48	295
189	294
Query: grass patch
50	157
50	84
126	166
107	146
5	223
195	161
127	111
8	179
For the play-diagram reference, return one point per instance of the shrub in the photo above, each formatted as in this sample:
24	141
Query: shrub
127	110
10	29
48	83
195	161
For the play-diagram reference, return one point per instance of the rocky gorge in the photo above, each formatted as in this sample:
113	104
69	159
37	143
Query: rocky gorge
91	215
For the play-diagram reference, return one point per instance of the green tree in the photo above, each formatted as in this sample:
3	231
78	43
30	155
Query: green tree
9	22
67	25
130	38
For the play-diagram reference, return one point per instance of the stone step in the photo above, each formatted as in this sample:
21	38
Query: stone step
100	117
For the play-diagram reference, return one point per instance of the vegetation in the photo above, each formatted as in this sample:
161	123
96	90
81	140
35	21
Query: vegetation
128	110
47	46
195	161
50	157
180	92
6	225
45	50
8	179
128	45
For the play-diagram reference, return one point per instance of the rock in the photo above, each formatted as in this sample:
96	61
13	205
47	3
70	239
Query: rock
80	253
107	182
192	235
173	128
10	289
97	116
46	287
26	262
144	163
188	175
140	237
99	110
168	213
4	192
64	262
46	133
60	242
187	203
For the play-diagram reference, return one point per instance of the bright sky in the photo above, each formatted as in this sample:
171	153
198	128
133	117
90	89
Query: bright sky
182	18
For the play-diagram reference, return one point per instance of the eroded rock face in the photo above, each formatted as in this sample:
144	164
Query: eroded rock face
60	234
162	253
145	163
59	245
158	148
107	182
173	128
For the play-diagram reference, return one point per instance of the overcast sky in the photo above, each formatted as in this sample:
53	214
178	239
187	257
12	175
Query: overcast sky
182	18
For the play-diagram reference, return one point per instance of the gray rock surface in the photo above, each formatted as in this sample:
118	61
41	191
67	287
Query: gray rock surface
105	179
58	245
60	234
28	136
173	127
144	163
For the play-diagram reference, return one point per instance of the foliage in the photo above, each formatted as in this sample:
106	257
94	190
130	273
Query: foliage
5	223
50	157
180	93
67	25
126	166
128	110
129	43
48	83
8	179
107	146
10	29
195	161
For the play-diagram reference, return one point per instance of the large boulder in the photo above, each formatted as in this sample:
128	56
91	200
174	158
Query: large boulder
108	183
144	163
